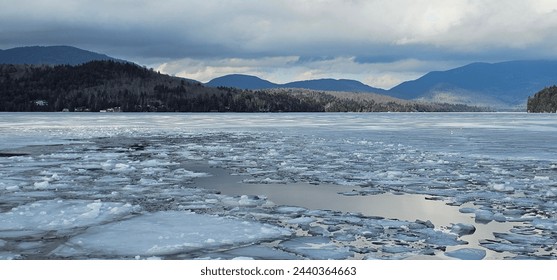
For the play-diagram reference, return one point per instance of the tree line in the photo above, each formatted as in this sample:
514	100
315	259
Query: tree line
102	85
544	101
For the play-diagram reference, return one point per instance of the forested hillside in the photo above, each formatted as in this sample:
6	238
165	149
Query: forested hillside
545	101
120	86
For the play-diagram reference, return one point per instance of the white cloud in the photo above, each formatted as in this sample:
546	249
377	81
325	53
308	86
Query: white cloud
206	69
288	69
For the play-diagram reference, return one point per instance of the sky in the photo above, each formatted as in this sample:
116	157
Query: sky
378	42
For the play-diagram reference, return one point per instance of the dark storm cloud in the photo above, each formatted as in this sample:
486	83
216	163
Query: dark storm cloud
307	38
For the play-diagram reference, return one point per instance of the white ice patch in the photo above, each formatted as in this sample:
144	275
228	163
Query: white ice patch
165	233
156	163
440	238
122	167
61	214
12	188
41	185
502	187
541	178
246	201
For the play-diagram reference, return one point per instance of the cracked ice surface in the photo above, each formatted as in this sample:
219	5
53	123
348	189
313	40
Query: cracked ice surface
113	166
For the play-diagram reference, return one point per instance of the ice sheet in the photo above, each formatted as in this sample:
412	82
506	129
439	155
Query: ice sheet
499	168
166	233
57	215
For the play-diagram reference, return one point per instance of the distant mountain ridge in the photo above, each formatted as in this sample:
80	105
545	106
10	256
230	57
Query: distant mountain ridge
504	85
50	55
501	84
335	85
252	82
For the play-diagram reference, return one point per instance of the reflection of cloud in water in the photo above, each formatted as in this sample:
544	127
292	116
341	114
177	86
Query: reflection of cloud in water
405	207
409	207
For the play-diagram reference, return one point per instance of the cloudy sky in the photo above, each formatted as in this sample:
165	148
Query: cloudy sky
379	42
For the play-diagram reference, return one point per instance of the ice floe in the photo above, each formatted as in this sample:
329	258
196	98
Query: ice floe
463	229
166	233
58	215
467	254
316	248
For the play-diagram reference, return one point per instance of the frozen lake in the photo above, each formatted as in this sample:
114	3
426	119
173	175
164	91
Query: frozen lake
289	186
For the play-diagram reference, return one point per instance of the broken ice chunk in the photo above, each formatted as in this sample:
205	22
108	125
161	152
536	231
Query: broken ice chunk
525	239
504	247
483	216
440	238
397	249
463	229
290	210
467	254
301	221
316	248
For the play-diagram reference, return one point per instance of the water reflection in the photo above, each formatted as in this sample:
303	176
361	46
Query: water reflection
409	207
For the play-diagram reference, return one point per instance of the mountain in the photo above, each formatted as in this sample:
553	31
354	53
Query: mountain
53	55
113	86
334	85
253	82
504	85
499	85
242	82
